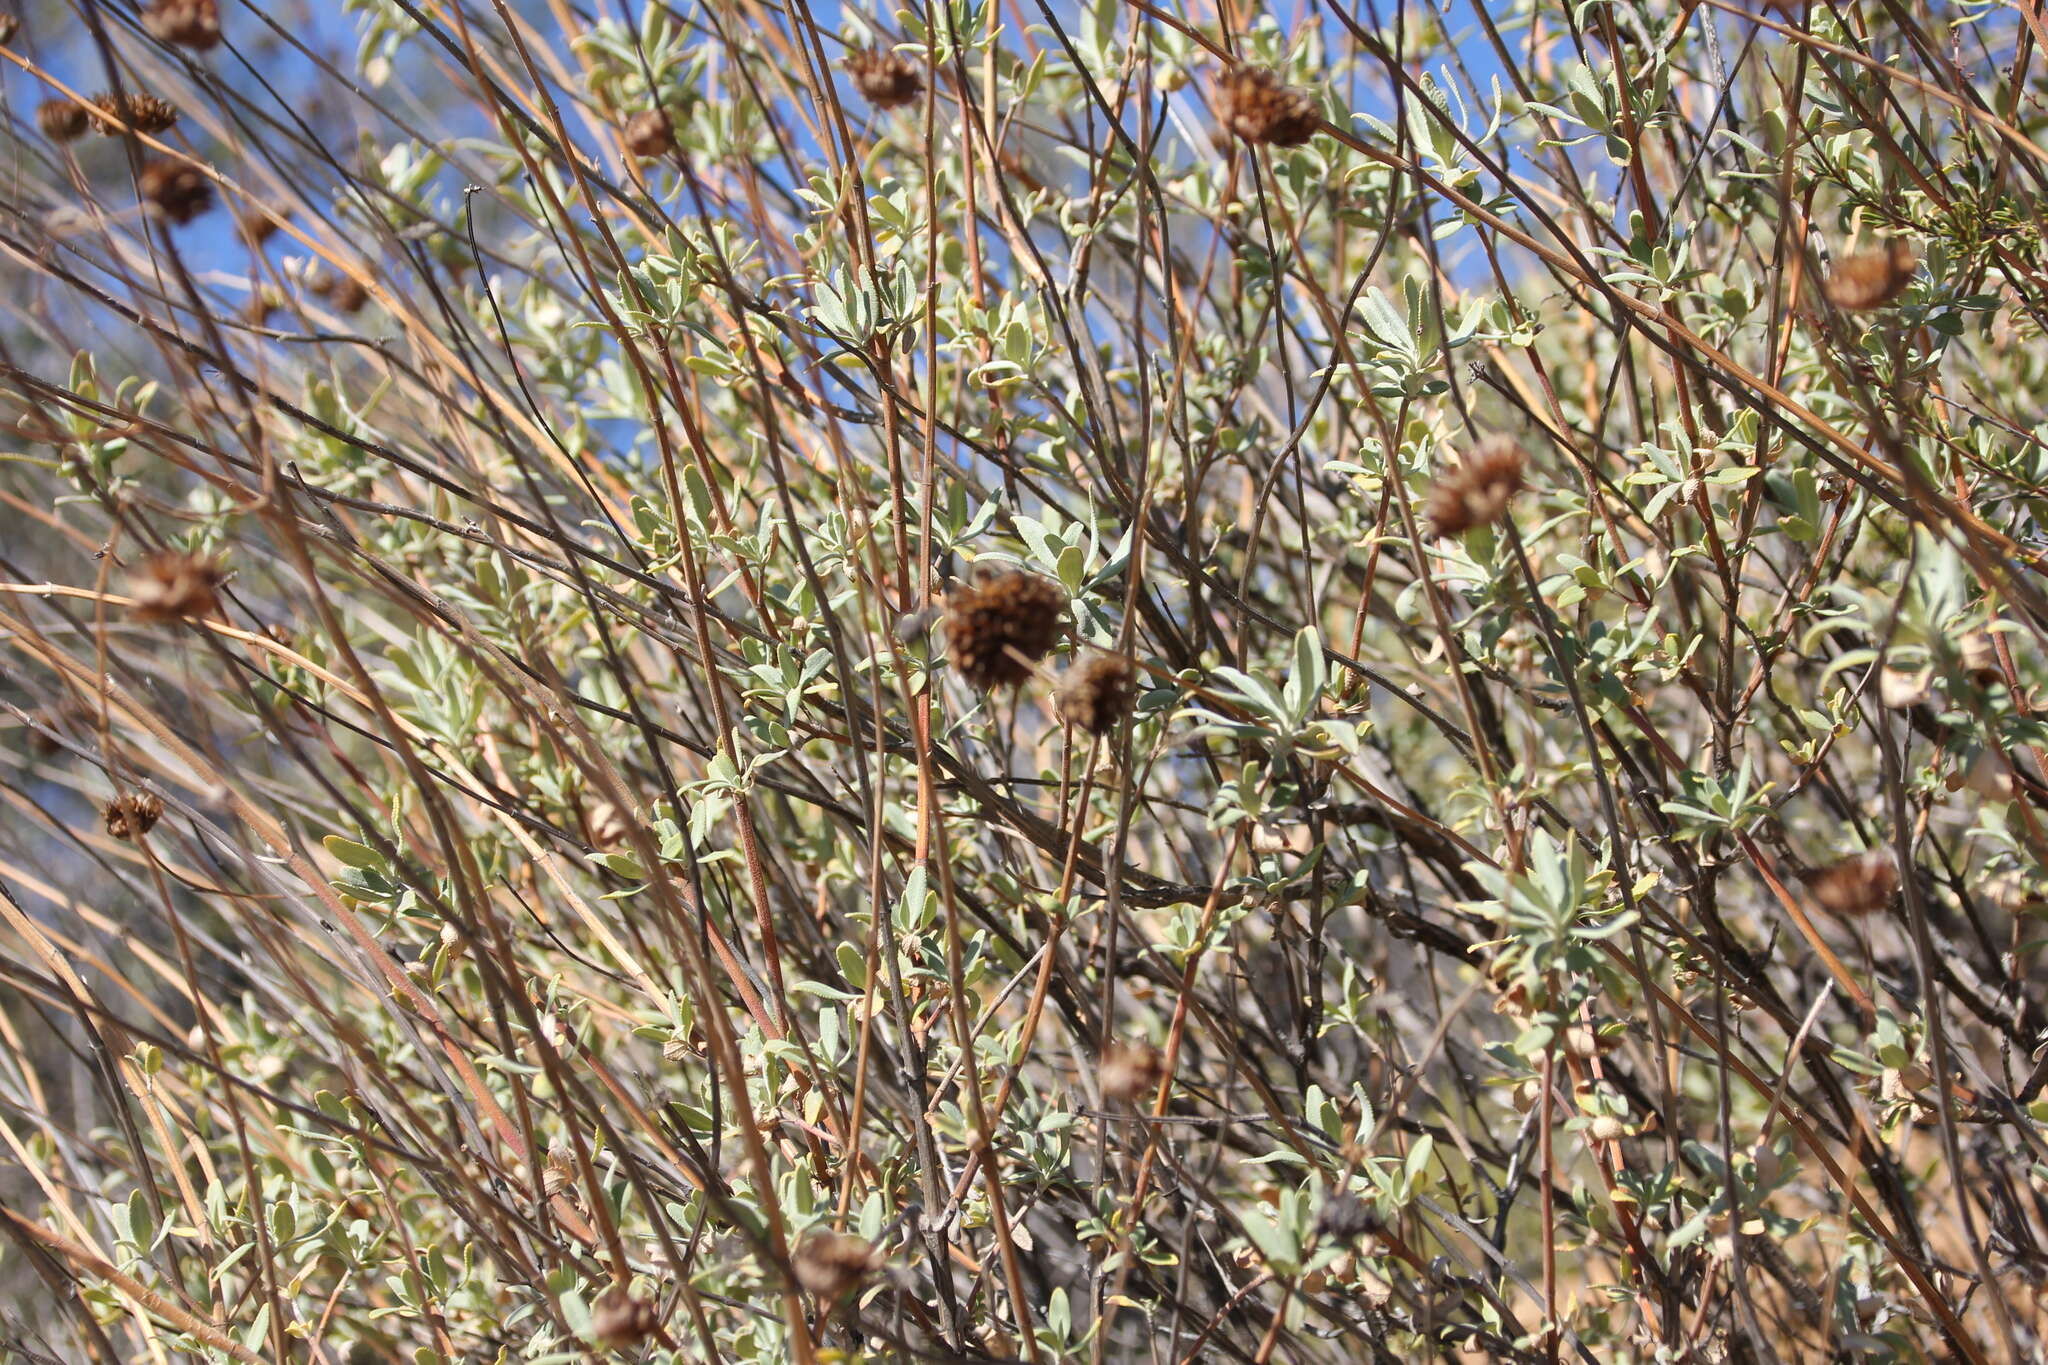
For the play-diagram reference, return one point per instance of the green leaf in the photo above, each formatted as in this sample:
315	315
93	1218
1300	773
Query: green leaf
352	853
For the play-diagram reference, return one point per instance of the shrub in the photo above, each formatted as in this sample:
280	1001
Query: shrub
1074	682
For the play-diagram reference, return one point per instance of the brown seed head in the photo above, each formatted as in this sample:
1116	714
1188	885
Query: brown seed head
1000	624
171	585
649	133
1868	279
1130	1072
175	191
832	1265
1096	692
1857	885
133	814
1476	491
256	225
344	292
623	1318
887	80
62	120
184	23
1256	105
143	113
10	24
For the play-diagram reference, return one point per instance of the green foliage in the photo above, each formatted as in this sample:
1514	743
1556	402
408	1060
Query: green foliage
1539	764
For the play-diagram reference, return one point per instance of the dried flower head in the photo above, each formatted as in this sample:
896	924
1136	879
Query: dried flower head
256	225
1256	105
344	292
171	585
63	120
184	23
1857	885
1001	624
1130	1072
887	80
1870	278
621	1318
175	191
1096	692
1476	491
649	133
832	1265
10	24
143	113
133	814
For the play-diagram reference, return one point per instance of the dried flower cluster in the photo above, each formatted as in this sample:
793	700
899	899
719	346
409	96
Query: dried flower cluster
345	293
256	225
1256	105
887	80
172	585
1096	693
62	120
1001	624
1476	491
1130	1072
1859	885
833	1265
146	114
1871	278
622	1319
184	23
175	191
133	814
649	133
